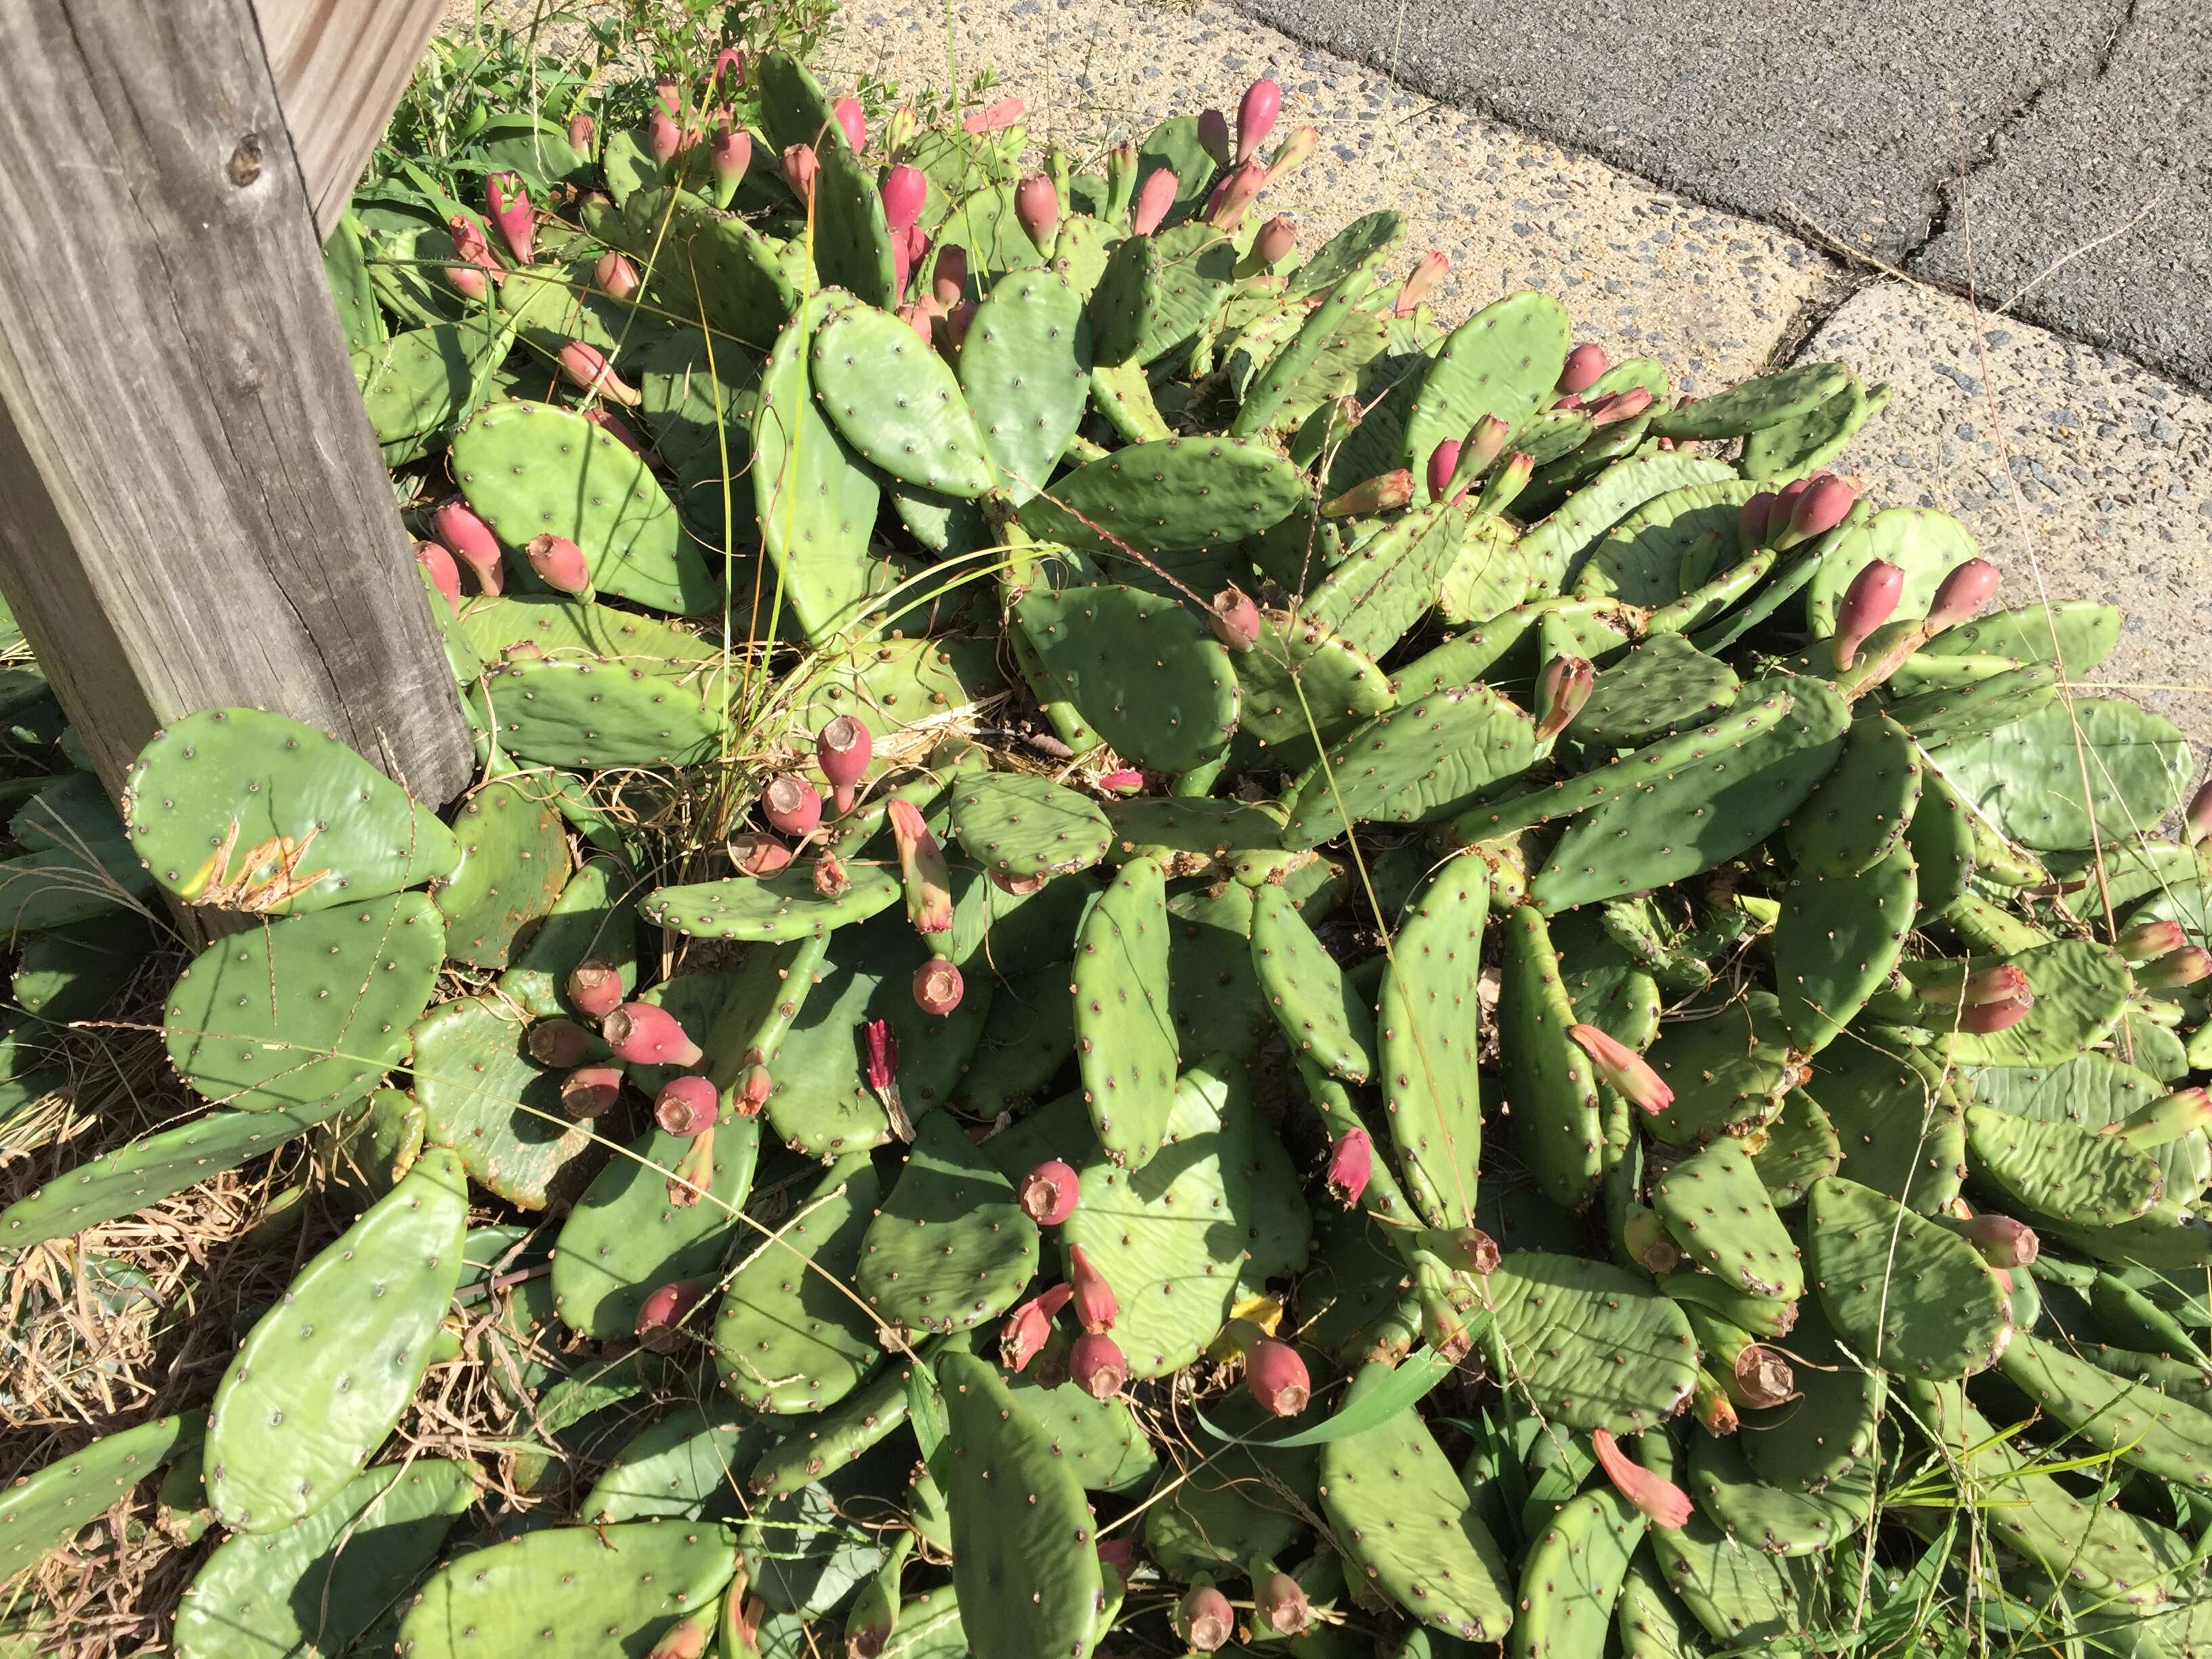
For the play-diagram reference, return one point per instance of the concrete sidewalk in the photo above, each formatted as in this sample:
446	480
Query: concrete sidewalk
2081	473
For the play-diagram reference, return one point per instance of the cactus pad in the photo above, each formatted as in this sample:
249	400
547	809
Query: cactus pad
1551	1092
1125	1037
1573	1576
1715	1206
771	908
2080	992
790	1336
834	1439
1785	395
593	713
1175	495
2026	777
1900	1131
1588	1345
1388	580
320	1380
1025	370
1430	1029
1019	824
255	812
684	1467
40	1510
1728	1071
1301	680
1325	1019
1503	361
1926	546
514	862
2062	1170
1860	812
2136	1423
487	1099
1417	762
896	403
1138	669
1879	1270
949	1249
1663	684
1837	942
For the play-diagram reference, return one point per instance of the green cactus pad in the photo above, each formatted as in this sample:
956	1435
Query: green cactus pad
41	1511
686	1466
238	807
1177	1280
2080	633
626	1237
487	1099
1102	1438
1193	832
309	1011
1388	580
835	1438
852	242
1125	1034
2026	777
1590	1344
558	626
531	469
1795	1150
1406	1524
1860	812
790	1336
1417	762
591	715
1663	684
1176	494
896	403
286	1595
1647	1619
897	685
949	1249
1025	370
1900	1131
1341	685
1667	546
1953	715
1942	840
1503	361
148	1170
1324	1016
1020	824
1926	546
1744	1596
587	920
1215	996
2080	992
768	909
1831	1432
1879	1269
1138	668
1024	1545
2095	1090
1573	1576
514	861
1787	394
1430	1029
320	1380
1780	1520
1123	397
1793	448
2138	1424
1728	1071
1241	1501
570	1591
2063	1170
815	501
793	108
1686	822
1609	989
1715	1205
1558	545
1288	363
1837	941
1159	291
1551	1092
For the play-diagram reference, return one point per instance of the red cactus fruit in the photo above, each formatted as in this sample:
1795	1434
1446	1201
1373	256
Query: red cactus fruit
1443	461
1351	1164
1213	136
2003	1241
563	1042
853	122
1049	1193
559	563
581	131
660	1316
1753	518
595	987
586	365
508	205
686	1105
1235	619
1154	198
1868	603
791	806
1036	204
1275	240
905	191
800	166
1826	500
1256	116
937	986
445	574
646	1035
458	527
948	278
589	1091
1095	1365
663	138
842	749
1279	1605
1097	1307
922	866
1585	368
757	853
1204	1620
1276	1378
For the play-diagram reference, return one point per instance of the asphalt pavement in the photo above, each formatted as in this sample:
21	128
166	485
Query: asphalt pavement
2057	159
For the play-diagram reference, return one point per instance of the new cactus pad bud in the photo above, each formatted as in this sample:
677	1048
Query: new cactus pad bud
791	805
1276	240
1256	116
595	987
581	131
1095	1364
1428	270
757	853
1204	1620
1096	1306
800	166
646	1035
1620	406
686	1105
1385	493
905	191
562	1043
663	138
1277	1377
2147	939
937	986
2166	1119
996	118
559	563
445	574
508	204
1585	368
1036	204
1293	153
1233	196
1049	1193
1625	1071
1662	1503
1235	619
1154	198
660	1316
589	1091
1029	1328
1351	1165
843	749
586	365
922	866
1279	1605
852	121
1960	596
1562	689
1868	603
458	527
2003	1241
1443	1308
2175	970
1485	441
1213	136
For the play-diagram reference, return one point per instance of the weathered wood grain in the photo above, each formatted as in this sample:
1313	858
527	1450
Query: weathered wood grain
340	66
195	512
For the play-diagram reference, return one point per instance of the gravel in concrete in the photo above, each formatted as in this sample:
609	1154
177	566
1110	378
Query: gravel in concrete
2113	467
1642	270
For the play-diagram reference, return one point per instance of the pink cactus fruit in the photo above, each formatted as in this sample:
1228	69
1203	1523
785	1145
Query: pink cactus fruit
801	166
1204	1620
1428	270
1235	619
614	276
559	563
1036	204
660	1316
905	191
562	1044
1213	136
1585	368
1351	1165
937	986
1868	603
853	122
757	853
1277	1377
843	749
591	1090
595	987
445	574
586	365
1048	1192
686	1105
1961	595
791	806
646	1034
508	204
1154	198
1279	1605
1095	1364
458	527
1255	117
1276	239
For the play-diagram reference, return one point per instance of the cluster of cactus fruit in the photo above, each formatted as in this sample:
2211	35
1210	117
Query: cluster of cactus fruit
1371	986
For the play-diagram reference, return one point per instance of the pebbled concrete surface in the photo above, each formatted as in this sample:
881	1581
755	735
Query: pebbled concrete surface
1858	115
1644	270
2113	466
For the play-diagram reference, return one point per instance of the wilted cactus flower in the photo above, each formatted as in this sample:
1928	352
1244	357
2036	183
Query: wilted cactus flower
1095	1365
1048	1192
1562	689
1663	1502
2175	970
1123	780
831	879
1276	1378
1624	406
1351	1165
922	863
1293	153
1096	1306
1029	1326
755	1085
1868	603
1428	270
1623	1068
1384	493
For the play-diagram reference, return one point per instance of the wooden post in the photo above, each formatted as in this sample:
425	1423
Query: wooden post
195	511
